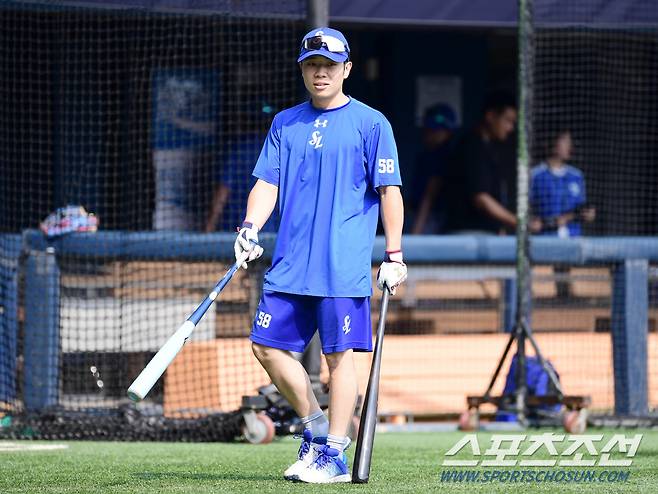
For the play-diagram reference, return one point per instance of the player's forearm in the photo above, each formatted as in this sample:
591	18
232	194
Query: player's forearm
421	218
217	207
206	128
492	208
261	203
565	218
425	206
392	212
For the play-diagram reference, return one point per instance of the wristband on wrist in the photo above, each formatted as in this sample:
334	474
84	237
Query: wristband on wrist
393	256
245	224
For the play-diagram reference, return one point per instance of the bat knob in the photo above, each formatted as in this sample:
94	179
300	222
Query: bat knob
134	396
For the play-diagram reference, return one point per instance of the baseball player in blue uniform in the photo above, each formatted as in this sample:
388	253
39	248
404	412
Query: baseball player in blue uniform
557	192
330	164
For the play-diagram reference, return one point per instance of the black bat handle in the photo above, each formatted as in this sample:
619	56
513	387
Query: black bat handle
368	423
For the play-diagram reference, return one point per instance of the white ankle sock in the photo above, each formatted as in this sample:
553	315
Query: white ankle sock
337	442
317	423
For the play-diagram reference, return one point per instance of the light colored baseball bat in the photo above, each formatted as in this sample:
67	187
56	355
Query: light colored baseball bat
161	360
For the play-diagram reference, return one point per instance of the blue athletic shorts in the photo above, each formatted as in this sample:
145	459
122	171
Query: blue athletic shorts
288	321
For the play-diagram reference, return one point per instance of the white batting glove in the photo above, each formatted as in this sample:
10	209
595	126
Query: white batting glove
392	272
247	241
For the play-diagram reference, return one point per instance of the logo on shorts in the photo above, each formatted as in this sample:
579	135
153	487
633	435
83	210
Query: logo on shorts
346	326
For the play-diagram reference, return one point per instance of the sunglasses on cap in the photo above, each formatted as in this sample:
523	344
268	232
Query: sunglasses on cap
332	44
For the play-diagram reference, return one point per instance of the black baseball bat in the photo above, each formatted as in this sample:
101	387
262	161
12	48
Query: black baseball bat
368	422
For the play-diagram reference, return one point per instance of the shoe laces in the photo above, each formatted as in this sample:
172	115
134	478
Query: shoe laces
323	458
304	448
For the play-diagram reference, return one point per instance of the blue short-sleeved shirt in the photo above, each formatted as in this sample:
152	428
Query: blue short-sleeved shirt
327	165
556	192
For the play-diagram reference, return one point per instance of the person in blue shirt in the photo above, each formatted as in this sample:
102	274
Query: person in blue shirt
557	192
558	201
330	164
234	181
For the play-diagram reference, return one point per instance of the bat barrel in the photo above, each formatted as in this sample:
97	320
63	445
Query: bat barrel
161	360
159	363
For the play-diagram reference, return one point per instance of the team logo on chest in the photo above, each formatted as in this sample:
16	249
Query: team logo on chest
316	136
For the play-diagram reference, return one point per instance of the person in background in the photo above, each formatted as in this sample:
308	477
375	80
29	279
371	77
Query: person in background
558	201
472	181
557	192
439	125
234	181
185	136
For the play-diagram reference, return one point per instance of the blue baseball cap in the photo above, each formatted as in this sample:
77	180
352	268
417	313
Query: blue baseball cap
325	42
440	116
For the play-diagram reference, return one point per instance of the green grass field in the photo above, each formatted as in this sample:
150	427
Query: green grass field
402	462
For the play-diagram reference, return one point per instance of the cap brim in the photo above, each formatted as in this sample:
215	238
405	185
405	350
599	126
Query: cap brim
334	57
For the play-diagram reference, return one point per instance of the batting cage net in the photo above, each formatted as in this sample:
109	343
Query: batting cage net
593	122
594	108
594	119
131	119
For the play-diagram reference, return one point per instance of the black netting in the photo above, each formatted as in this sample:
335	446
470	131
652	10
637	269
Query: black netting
152	121
594	120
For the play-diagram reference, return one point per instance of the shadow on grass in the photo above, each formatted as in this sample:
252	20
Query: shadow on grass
203	476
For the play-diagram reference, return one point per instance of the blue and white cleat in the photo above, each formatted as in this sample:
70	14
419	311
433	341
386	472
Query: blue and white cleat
307	454
329	467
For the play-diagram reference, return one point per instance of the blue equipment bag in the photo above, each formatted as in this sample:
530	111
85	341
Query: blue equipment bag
538	383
